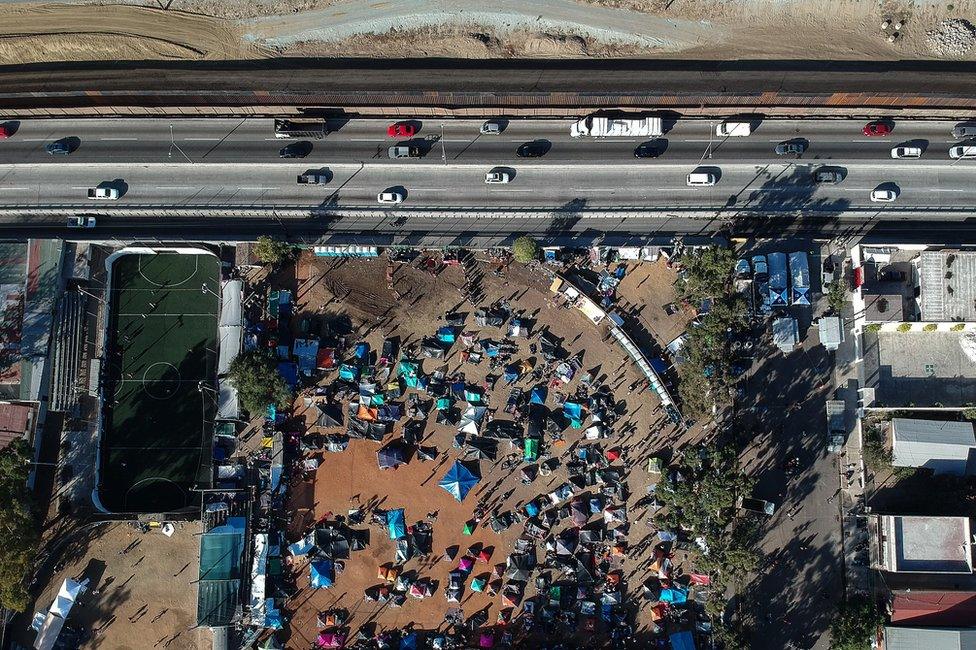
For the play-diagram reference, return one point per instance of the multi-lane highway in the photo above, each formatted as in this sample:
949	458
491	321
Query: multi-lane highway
226	163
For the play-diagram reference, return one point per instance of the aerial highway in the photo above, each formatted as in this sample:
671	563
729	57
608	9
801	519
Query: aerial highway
226	163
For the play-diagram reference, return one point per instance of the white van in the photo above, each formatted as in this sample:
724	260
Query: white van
701	178
733	129
963	151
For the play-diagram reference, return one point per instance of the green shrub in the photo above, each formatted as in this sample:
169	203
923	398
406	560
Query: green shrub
905	327
930	327
873	327
958	327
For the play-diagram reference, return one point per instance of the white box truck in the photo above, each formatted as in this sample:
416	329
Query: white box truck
609	127
733	129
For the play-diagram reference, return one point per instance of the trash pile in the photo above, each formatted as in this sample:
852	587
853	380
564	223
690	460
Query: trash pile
952	38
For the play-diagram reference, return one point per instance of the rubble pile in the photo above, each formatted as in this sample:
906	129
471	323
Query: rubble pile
955	37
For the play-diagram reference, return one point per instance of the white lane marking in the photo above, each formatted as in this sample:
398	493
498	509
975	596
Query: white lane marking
945	190
174	187
202	139
16	188
118	139
32	139
429	189
259	188
593	189
83	187
368	139
509	189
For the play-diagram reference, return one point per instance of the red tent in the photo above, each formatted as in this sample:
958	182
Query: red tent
484	556
613	454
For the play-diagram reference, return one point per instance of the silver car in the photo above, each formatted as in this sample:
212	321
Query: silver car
491	127
964	131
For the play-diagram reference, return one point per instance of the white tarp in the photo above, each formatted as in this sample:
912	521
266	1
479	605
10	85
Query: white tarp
55	618
259	571
228	407
230	303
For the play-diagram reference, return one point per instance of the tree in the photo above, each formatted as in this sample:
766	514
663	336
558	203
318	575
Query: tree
19	535
706	273
836	296
255	376
525	249
856	624
271	251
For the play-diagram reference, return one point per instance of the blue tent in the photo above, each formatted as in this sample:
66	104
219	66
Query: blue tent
322	574
683	640
458	481
676	596
446	335
395	524
347	372
289	372
362	350
538	395
409	642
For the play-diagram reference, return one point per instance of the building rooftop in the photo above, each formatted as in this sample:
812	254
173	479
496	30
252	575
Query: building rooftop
934	608
15	421
926	544
915	638
888	291
945	447
920	368
947	285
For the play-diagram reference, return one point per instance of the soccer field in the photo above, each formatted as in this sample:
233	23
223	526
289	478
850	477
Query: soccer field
158	417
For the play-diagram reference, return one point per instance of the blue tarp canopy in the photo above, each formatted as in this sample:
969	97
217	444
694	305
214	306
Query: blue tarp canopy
490	348
683	641
538	395
362	350
572	410
458	481
347	372
409	642
322	574
395	524
676	596
289	372
446	334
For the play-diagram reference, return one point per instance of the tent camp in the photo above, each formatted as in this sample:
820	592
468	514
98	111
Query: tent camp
396	524
50	624
530	450
321	574
458	481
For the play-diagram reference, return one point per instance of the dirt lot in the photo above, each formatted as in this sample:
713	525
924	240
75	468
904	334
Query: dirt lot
356	289
238	29
140	592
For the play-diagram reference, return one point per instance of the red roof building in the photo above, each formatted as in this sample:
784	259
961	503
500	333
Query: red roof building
934	608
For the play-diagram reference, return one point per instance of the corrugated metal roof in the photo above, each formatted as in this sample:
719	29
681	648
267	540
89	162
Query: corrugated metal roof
943	608
929	638
948	285
942	446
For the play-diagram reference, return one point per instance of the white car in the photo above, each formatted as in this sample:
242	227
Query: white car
491	127
962	151
883	196
906	152
81	222
497	177
389	197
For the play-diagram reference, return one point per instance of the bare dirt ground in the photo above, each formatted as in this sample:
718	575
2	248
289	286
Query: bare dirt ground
356	289
140	593
241	29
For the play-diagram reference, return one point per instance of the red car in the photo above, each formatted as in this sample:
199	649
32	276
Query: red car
876	129
5	131
401	130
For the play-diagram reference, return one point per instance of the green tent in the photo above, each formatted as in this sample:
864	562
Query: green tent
531	450
411	382
443	403
472	397
478	584
468	528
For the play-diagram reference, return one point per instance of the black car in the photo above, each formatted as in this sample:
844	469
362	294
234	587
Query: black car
58	148
295	150
827	176
648	150
535	149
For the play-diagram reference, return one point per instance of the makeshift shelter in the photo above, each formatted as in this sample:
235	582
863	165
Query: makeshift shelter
409	641
465	564
362	351
331	541
519	567
487	640
329	416
325	359
321	574
331	640
348	373
469	528
478	584
538	395
684	640
458	481
432	349
485	448
566	544
396	524
50	624
574	413
674	596
289	372
530	452
505	429
392	455
446	335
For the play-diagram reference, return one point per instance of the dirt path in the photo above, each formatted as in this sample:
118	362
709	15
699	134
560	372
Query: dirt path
349	18
34	33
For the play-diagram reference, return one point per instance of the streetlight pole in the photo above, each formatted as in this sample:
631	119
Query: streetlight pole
172	144
443	149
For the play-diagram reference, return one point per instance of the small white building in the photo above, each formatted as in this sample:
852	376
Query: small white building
943	447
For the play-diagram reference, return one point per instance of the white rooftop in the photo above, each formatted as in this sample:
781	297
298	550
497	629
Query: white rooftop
944	447
926	544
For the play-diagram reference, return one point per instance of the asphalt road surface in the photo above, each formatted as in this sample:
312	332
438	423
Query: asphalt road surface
236	162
